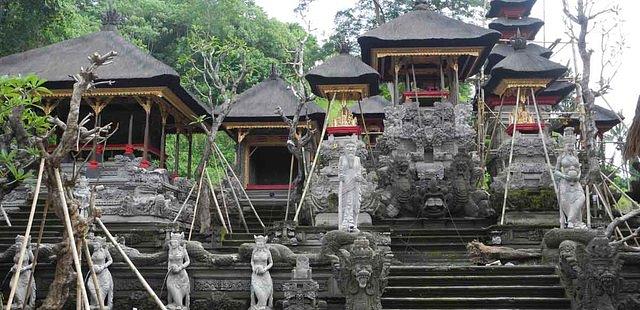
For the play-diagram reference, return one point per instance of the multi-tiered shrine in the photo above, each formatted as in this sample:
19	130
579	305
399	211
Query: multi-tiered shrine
421	171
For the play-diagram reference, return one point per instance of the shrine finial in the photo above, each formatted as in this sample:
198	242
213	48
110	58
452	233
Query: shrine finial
519	42
344	47
111	18
421	5
274	72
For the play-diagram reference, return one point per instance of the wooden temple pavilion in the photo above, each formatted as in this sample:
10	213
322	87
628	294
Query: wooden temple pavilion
372	115
346	78
426	54
146	101
262	158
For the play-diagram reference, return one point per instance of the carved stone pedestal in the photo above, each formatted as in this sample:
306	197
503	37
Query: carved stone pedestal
301	291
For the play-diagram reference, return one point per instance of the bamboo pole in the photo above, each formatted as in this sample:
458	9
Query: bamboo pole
607	209
72	242
215	201
37	253
315	160
4	215
544	144
195	207
588	200
286	213
513	142
613	199
23	246
94	277
621	191
184	204
233	191
224	199
239	183
132	266
493	131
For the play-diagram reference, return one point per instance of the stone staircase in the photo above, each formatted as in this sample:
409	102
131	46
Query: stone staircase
474	287
19	218
432	271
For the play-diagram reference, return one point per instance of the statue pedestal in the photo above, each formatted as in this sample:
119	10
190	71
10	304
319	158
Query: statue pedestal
331	220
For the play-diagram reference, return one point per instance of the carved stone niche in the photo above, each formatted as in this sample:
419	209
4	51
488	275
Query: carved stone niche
301	292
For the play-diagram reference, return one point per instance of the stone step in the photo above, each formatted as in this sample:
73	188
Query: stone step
476	291
455	223
471	270
403	232
473	280
399	245
475	303
433	239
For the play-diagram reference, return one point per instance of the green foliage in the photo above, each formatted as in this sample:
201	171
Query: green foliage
20	96
226	144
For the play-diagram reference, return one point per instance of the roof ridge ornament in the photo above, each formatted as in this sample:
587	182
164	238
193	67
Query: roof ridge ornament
421	5
519	42
344	48
274	72
111	18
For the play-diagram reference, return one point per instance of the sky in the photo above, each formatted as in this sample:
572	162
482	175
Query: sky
623	96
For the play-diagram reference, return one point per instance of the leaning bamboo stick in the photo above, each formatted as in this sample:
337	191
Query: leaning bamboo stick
195	207
37	253
131	265
72	242
184	204
235	195
94	277
544	144
286	213
609	193
4	215
239	183
215	201
315	159
607	208
513	142
23	246
224	199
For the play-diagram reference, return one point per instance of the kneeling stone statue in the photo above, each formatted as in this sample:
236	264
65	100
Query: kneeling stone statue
101	261
178	286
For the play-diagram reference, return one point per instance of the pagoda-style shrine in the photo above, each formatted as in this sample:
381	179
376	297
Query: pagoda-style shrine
142	91
426	54
262	158
371	116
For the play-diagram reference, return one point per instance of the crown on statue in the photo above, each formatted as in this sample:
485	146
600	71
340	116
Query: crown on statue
260	238
361	249
20	239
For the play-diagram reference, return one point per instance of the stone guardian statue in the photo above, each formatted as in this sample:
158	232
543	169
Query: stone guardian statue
178	286
25	275
101	261
349	195
261	283
571	196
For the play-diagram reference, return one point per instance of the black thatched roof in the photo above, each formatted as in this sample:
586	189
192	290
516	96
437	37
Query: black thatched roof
372	106
132	68
259	103
523	65
423	28
558	88
604	118
501	51
496	6
343	69
503	24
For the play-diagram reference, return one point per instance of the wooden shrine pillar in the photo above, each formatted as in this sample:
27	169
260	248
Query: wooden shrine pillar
146	105
454	80
97	106
163	135
190	154
176	156
128	149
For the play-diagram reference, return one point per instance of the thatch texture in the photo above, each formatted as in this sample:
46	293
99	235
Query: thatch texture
501	51
343	69
259	103
372	106
507	24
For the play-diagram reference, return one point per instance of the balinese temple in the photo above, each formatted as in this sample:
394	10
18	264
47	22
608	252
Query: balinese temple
262	158
144	91
426	54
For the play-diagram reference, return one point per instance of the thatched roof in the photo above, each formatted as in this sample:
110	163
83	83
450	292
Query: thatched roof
501	51
632	145
260	102
558	88
523	65
372	106
503	24
132	68
496	6
423	28
343	69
